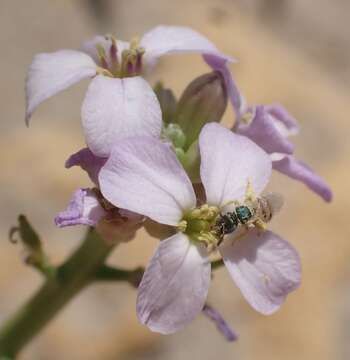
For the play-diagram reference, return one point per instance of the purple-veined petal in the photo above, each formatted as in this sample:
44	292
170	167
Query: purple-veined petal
265	131
83	209
221	64
90	48
118	108
264	267
220	323
50	73
228	162
143	175
281	115
87	161
163	40
174	286
299	171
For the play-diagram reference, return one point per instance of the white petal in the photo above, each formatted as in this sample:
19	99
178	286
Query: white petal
265	268
163	40
143	175
174	286
53	72
228	162
117	108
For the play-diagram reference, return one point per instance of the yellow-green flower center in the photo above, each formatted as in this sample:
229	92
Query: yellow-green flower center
199	224
128	64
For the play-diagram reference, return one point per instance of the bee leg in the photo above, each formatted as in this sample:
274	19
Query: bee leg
210	248
234	202
260	225
249	192
220	240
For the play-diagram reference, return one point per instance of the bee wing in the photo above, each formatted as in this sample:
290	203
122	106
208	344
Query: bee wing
275	201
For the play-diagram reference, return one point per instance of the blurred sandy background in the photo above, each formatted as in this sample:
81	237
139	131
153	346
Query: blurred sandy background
293	51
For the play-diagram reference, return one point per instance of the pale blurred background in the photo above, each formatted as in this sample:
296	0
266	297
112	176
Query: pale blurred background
296	52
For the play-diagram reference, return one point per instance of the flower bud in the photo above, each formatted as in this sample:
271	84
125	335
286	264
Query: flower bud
167	102
204	100
34	253
190	160
174	133
29	236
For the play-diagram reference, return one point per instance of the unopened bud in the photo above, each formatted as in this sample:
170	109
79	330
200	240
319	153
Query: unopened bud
29	236
167	102
204	100
35	255
190	160
174	133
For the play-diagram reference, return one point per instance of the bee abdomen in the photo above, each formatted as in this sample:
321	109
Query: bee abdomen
227	223
264	211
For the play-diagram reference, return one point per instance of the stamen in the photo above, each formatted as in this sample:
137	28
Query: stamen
138	66
102	56
134	43
130	68
113	51
124	66
130	63
198	225
182	225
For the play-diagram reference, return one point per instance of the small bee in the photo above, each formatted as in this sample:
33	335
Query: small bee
252	213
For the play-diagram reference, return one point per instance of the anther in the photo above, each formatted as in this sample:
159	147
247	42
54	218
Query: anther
102	56
138	66
113	51
134	43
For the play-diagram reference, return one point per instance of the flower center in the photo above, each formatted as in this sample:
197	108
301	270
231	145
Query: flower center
128	63
199	225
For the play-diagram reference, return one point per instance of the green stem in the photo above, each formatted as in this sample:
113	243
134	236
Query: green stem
108	273
217	264
76	273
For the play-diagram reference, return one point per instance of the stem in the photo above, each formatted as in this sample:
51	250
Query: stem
71	277
108	273
217	264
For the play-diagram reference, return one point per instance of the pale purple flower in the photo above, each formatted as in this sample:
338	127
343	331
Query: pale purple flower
119	102
176	281
86	208
270	126
83	209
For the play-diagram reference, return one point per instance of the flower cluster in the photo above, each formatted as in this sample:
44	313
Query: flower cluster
158	160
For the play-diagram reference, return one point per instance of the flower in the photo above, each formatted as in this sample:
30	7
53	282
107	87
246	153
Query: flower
269	126
175	284
83	209
119	102
87	207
